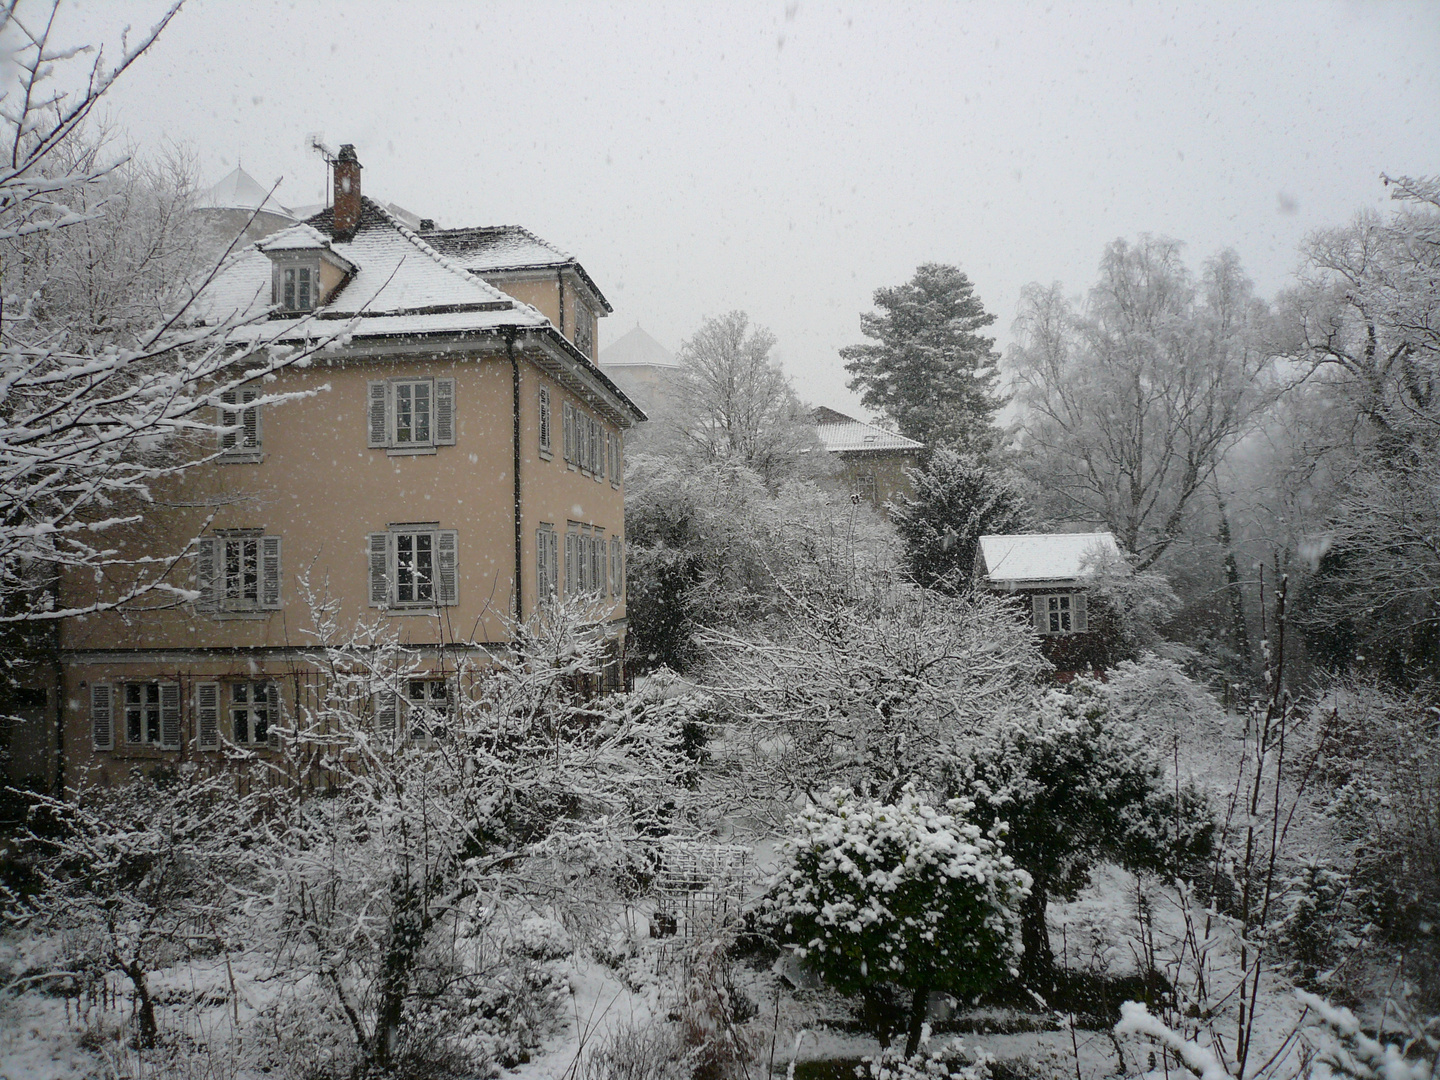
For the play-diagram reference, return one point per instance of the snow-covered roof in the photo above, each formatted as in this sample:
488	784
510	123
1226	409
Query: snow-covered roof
838	432
300	237
636	349
400	286
397	273
497	249
240	191
1042	557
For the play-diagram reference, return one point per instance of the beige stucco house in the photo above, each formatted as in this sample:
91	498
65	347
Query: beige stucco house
459	460
872	460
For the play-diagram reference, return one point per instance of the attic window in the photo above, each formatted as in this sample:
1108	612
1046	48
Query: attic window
297	288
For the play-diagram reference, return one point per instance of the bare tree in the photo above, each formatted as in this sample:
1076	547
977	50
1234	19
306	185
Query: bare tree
735	404
109	382
1129	407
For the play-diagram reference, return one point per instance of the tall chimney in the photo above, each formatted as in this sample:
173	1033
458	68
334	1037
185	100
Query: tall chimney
347	193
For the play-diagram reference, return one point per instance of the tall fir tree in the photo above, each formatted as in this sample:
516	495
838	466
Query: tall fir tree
957	500
929	370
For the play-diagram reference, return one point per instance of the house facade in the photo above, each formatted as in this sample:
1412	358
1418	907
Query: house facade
1048	571
872	460
456	458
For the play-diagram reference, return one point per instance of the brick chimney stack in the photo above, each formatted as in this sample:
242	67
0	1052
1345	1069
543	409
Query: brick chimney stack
347	193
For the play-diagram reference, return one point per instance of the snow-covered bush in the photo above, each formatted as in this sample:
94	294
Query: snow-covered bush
1074	784
953	1061
400	864
867	688
134	878
907	894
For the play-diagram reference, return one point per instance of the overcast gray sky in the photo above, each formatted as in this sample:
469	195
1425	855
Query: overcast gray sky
788	158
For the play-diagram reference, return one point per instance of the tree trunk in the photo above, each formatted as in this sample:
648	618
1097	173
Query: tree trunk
918	1007
1232	587
144	1005
1037	966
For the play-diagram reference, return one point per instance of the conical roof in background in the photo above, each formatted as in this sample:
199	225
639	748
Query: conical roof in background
241	191
636	348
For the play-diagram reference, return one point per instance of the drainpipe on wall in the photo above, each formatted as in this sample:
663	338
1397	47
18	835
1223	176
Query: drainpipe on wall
519	534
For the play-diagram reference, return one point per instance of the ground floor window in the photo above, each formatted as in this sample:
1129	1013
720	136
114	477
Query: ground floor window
428	705
142	713
251	712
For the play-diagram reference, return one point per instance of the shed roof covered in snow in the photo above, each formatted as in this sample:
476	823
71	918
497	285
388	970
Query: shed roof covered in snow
1025	559
839	433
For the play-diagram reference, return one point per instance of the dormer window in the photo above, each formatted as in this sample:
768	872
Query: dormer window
297	287
307	270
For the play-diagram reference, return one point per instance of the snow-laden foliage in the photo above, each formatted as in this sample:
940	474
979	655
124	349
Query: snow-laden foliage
1128	406
1336	1046
733	404
927	367
398	842
709	545
869	687
1364	316
951	1061
99	403
1155	695
958	499
134	878
904	893
1074	784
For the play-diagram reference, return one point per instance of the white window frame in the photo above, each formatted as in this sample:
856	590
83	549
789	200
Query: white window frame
244	444
1056	614
149	710
213	572
288	274
424	722
387	582
240	700
383	414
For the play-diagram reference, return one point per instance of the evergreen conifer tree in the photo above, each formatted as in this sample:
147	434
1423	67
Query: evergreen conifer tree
929	370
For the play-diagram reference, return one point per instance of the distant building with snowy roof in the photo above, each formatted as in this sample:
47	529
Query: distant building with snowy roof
643	368
872	460
1049	572
453	457
239	205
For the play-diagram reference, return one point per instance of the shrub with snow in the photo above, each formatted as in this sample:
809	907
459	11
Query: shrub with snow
906	895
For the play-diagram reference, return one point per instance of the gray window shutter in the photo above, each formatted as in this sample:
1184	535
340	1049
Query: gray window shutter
553	540
620	581
170	715
250	418
545	418
447	545
1077	613
615	567
270	571
205	573
386	712
228	417
207	714
542	567
378	392
1042	618
444	412
602	451
379	588
272	733
570	582
102	725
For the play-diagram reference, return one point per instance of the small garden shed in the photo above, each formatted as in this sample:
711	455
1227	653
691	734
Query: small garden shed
1049	570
